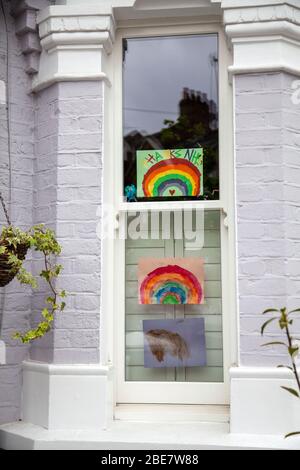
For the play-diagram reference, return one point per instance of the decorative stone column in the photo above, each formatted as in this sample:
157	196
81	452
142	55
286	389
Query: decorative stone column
66	383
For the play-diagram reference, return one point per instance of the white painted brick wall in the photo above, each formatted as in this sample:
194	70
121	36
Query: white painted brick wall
68	190
61	185
268	196
16	305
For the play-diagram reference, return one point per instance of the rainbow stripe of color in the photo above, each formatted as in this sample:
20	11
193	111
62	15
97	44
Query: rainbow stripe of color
173	174
171	285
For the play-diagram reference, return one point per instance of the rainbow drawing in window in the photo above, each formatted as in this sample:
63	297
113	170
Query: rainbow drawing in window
170	173
171	281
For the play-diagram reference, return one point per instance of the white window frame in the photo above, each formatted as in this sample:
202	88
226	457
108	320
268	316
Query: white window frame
171	392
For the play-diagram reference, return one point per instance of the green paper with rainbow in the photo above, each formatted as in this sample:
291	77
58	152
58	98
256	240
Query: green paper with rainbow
170	173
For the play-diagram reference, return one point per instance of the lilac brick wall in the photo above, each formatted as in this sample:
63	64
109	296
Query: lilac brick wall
56	178
68	193
268	171
15	301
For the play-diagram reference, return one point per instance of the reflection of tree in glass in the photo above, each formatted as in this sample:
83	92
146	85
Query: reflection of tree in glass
163	342
196	126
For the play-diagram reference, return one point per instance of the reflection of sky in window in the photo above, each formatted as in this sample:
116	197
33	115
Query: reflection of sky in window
155	72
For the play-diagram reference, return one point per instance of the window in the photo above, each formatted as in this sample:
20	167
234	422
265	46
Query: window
170	97
176	100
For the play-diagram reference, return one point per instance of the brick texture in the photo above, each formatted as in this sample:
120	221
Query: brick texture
15	301
268	194
56	141
67	181
57	157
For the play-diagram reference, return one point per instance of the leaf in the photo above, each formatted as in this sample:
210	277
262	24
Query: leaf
45	313
292	391
285	367
269	310
266	324
62	306
275	343
292	434
295	311
294	351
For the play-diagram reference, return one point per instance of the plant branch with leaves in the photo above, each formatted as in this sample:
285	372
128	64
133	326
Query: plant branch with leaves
14	244
285	320
44	241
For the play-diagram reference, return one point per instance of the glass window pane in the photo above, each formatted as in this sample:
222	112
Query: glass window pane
210	311
171	102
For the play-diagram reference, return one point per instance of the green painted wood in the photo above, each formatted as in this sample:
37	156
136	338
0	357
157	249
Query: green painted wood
213	323
135	357
205	375
210	255
211	240
211	310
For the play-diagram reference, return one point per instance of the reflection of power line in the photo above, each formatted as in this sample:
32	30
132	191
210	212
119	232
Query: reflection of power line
155	111
214	64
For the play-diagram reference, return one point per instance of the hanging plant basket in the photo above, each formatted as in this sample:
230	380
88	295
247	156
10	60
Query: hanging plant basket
7	270
7	273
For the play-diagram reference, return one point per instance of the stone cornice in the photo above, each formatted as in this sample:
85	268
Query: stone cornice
76	37
63	26
265	13
264	35
75	41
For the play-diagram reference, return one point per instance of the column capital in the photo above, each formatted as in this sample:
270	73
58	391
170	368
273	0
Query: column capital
264	34
74	43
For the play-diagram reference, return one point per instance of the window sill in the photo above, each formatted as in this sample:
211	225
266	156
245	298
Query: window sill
170	206
172	413
146	436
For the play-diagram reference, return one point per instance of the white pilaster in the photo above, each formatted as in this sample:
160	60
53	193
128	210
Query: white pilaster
74	397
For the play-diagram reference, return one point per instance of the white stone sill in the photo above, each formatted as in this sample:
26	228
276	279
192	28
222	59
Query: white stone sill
144	436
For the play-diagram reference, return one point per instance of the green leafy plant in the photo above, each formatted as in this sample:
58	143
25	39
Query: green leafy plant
285	320
14	244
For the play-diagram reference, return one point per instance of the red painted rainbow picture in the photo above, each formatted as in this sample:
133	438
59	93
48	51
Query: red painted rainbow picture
171	281
170	173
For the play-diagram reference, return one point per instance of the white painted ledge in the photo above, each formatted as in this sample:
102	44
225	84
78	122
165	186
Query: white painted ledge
76	397
136	436
258	403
